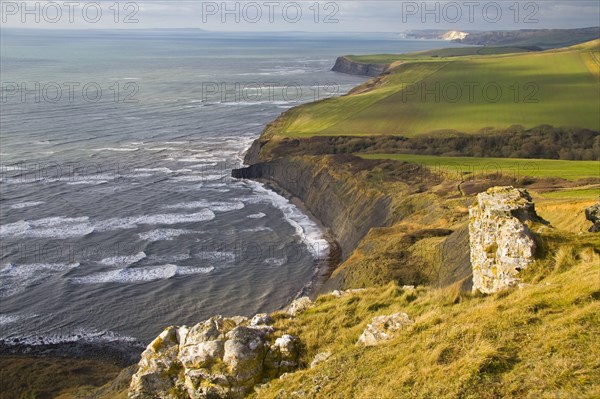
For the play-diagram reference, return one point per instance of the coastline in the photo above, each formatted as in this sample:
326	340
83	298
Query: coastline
324	265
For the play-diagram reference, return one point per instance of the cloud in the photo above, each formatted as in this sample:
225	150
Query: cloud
317	16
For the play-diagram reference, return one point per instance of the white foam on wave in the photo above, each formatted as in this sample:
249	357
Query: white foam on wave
197	178
163	234
63	227
70	180
306	229
117	149
257	229
52	227
27	270
28	204
165	219
124	260
9	318
15	278
215	206
140	274
258	215
216	256
91	182
151	170
275	261
12	168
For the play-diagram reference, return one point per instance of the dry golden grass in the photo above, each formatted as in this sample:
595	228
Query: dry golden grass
541	341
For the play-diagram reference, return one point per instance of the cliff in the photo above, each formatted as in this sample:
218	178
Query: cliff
349	66
326	187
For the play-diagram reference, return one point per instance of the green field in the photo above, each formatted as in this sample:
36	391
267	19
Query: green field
456	167
446	52
575	193
468	93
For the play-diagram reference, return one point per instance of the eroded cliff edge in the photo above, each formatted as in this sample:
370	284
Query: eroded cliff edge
321	183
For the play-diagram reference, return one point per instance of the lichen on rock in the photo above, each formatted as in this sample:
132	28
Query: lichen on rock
299	305
501	243
384	328
217	358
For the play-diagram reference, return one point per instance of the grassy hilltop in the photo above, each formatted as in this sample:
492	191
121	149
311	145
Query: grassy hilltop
456	90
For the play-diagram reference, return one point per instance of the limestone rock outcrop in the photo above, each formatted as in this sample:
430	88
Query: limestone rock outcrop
384	328
217	358
501	243
299	306
593	215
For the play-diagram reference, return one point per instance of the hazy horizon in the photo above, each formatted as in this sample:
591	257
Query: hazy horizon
301	16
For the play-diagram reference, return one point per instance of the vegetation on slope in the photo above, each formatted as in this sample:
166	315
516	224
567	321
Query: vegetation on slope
541	341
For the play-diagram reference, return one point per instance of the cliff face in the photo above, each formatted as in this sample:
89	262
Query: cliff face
331	195
346	65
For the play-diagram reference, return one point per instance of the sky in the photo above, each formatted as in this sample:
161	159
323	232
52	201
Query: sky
301	15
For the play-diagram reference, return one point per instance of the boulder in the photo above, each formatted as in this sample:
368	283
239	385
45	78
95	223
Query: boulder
501	243
217	358
593	215
299	305
283	356
261	319
384	328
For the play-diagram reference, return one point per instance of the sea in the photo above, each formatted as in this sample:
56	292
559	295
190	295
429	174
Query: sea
118	213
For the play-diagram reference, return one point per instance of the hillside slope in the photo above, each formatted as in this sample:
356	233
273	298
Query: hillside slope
422	93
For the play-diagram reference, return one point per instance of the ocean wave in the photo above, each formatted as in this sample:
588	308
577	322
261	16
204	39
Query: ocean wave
151	170
140	274
124	260
163	234
117	149
197	178
16	278
157	219
52	227
258	215
306	229
9	318
27	270
216	256
26	204
215	206
90	182
63	227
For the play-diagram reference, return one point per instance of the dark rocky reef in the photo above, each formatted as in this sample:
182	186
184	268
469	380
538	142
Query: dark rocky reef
346	65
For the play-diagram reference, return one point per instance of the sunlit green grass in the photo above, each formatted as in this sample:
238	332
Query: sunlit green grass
586	193
465	94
